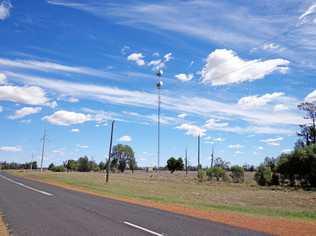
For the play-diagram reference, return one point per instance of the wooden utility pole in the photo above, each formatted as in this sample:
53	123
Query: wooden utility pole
43	149
110	153
212	160
186	161
199	165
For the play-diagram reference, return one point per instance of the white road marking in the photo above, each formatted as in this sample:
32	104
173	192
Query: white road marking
142	228
26	186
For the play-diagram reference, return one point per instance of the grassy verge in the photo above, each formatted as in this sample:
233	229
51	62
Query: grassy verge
185	191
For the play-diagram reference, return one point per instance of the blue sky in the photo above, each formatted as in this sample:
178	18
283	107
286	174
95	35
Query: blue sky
234	72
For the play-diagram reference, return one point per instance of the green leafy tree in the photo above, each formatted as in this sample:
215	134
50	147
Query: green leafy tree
308	130
174	164
216	172
237	174
83	164
123	155
263	175
51	166
71	165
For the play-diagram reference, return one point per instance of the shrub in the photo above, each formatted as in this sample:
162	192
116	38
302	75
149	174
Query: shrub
237	174
201	175
216	172
263	175
51	166
174	164
58	168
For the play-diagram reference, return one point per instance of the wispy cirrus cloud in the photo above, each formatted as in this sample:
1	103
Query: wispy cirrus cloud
260	119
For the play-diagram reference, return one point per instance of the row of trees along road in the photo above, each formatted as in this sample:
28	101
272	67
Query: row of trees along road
122	157
297	168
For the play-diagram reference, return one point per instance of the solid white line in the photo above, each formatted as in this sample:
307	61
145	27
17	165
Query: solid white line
25	186
142	228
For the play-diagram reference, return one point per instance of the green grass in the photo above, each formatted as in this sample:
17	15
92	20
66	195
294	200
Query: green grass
244	198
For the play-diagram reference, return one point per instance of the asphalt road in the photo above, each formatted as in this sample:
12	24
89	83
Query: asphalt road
32	208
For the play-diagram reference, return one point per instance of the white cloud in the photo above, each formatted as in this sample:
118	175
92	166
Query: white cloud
258	101
280	107
75	130
184	77
260	119
271	46
214	124
25	111
287	150
137	58
82	146
182	115
10	149
1	109
272	141
47	66
59	152
212	139
311	97
5	7
125	138
72	100
307	14
3	79
26	95
193	130
66	118
225	67
167	57
235	146
260	148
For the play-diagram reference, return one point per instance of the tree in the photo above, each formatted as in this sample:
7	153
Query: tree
83	164
51	166
216	172
121	156
263	175
237	174
71	165
308	130
102	166
174	164
219	162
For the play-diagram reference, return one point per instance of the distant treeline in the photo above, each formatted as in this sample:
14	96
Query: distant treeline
18	166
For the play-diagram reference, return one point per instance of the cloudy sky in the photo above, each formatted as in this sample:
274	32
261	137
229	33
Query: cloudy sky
234	72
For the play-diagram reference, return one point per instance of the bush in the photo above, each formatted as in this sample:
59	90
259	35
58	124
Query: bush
216	172
58	169
237	174
51	166
201	175
263	175
175	164
83	164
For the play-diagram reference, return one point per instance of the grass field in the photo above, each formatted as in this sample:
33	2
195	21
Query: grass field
188	192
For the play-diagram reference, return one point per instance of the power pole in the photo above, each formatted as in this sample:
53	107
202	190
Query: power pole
32	162
212	160
186	161
199	165
110	153
43	149
158	85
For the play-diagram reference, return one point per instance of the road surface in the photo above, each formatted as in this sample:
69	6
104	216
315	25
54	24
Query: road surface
32	208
